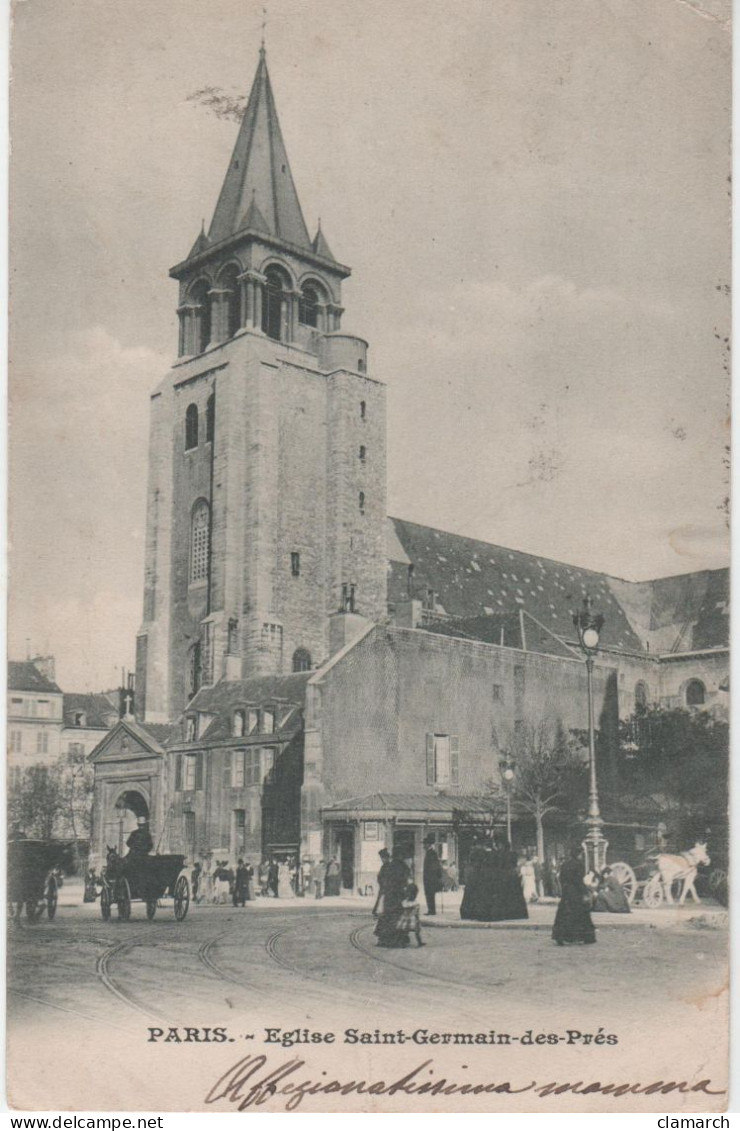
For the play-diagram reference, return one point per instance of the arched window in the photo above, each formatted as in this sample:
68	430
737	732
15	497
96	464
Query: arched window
362	502
308	305
695	693
191	427
363	409
301	660
210	418
240	724
229	282
641	696
194	672
199	531
202	301
363	453
272	303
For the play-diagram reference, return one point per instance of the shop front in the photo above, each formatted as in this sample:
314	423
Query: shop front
356	830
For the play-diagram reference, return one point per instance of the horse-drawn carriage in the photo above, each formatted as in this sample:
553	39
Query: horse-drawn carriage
33	870
147	878
662	876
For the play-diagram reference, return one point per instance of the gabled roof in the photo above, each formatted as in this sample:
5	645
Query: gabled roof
226	696
259	170
23	675
144	735
96	707
254	218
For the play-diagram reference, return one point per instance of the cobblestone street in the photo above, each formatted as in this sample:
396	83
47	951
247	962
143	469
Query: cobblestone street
303	964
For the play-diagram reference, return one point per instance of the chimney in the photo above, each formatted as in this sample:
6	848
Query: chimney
45	665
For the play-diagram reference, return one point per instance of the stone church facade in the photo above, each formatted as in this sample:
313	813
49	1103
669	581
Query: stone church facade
311	675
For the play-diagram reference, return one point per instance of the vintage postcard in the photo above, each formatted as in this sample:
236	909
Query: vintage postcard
368	656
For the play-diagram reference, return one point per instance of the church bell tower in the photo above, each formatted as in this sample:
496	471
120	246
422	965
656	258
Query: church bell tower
266	502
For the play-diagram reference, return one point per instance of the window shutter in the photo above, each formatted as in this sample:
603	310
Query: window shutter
454	759
430	759
199	770
227	769
178	772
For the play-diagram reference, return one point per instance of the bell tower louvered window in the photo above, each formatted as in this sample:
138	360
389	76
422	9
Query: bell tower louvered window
199	532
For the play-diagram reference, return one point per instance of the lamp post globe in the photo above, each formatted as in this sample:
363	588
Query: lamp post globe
588	628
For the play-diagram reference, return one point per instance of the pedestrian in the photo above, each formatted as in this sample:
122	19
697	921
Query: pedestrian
573	919
528	879
610	895
452	878
195	879
432	876
394	876
332	878
272	877
306	876
317	876
410	919
284	889
263	877
510	902
240	894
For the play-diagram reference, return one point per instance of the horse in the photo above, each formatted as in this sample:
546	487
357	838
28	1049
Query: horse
113	863
682	867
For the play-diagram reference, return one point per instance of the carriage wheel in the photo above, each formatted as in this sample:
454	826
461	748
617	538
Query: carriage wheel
182	897
52	897
717	876
627	879
105	902
652	894
151	908
123	894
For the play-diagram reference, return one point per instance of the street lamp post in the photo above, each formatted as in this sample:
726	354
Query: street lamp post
507	769
589	626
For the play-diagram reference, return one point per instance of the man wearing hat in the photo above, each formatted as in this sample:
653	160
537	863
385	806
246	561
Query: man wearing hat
432	876
140	842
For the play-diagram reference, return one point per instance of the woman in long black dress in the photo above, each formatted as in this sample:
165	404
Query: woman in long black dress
510	903
573	920
393	879
480	895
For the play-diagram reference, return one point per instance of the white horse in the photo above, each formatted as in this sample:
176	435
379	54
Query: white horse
683	868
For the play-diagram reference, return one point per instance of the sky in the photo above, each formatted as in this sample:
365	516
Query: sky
534	201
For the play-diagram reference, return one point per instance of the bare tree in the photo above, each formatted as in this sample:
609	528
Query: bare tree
549	773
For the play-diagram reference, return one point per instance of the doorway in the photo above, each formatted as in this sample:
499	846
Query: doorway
346	849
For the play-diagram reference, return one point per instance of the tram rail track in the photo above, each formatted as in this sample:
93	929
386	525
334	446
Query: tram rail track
102	970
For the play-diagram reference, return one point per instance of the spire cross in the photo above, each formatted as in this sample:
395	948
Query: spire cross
264	25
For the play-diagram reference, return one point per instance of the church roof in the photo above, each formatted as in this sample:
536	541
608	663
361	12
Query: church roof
472	580
23	675
259	173
225	696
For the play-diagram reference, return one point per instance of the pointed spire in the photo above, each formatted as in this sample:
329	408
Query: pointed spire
319	244
259	174
201	244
